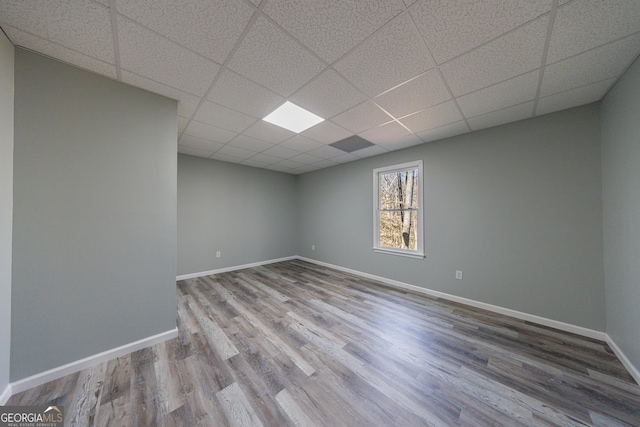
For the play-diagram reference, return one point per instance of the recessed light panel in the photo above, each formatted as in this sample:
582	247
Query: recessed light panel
293	118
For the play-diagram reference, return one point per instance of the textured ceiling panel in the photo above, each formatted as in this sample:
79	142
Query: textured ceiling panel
452	28
439	115
193	24
366	66
392	56
212	133
573	98
513	54
591	66
301	143
146	53
390	135
270	57
362	117
240	94
330	29
68	23
268	132
445	131
585	24
248	143
328	95
223	117
415	95
326	132
502	95
510	114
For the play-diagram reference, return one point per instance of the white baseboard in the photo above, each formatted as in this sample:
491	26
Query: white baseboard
233	268
6	394
635	373
78	365
567	327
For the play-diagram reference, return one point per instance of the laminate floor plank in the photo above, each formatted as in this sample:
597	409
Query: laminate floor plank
298	344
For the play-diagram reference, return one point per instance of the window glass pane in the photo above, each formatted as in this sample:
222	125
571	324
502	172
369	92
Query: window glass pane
398	190
398	229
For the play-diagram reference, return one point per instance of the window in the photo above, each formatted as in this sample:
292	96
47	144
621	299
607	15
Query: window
397	210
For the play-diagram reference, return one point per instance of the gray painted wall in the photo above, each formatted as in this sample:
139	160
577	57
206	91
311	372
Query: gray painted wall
94	236
6	202
517	208
621	201
247	214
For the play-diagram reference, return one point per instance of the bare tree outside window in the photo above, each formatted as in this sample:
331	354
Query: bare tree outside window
398	209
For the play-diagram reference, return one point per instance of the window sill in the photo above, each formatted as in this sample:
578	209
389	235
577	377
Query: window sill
418	255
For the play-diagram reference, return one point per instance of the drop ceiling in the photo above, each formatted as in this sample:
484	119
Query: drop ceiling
396	73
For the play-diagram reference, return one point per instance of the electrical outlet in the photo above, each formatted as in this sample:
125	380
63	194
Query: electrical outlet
218	254
458	274
313	247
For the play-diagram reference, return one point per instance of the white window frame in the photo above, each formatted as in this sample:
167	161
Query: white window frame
419	251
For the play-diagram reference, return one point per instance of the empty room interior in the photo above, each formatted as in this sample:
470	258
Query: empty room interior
444	231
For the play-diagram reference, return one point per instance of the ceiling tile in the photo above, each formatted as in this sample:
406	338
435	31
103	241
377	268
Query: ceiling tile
248	143
445	131
326	152
324	164
510	114
266	159
415	95
511	55
326	132
301	143
510	92
193	24
187	103
392	56
38	44
254	163
306	159
66	23
591	66
226	158
270	57
574	97
327	95
391	136
452	28
211	133
234	91
239	153
222	117
288	164
585	24
370	151
345	158
433	117
362	117
332	29
282	152
199	143
150	55
193	151
268	132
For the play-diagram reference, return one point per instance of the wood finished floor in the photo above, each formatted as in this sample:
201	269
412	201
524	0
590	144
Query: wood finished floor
296	344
